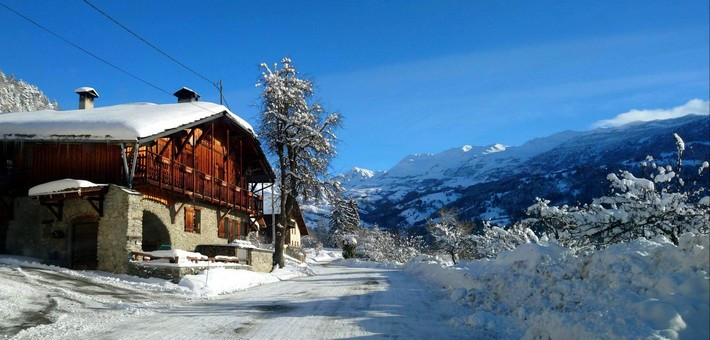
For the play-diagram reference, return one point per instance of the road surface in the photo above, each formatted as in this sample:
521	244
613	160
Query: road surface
339	302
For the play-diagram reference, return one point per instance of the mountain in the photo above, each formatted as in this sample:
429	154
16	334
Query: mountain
19	96
497	182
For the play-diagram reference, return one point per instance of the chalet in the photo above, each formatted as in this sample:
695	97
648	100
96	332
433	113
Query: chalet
86	188
296	227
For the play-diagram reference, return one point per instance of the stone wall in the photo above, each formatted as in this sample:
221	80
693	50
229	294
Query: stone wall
179	238
34	231
262	260
173	273
120	230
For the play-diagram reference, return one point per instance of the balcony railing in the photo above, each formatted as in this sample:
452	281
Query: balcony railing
170	175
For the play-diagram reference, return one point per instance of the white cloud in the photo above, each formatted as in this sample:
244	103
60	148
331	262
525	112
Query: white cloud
694	106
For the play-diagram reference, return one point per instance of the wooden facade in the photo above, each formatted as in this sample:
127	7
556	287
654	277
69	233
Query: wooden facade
212	162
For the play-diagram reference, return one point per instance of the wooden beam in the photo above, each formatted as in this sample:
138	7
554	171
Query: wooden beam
165	147
174	211
98	206
226	171
56	208
222	216
182	146
202	136
125	162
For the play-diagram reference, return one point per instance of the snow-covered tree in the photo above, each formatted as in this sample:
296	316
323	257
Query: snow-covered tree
636	207
345	223
19	96
344	218
493	239
450	235
300	134
385	246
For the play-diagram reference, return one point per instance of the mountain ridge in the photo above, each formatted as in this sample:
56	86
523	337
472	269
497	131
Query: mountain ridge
567	167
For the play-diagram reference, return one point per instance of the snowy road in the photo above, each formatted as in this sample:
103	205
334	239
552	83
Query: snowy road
340	302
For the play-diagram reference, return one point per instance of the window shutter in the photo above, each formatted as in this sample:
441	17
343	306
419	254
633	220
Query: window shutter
237	228
220	228
189	219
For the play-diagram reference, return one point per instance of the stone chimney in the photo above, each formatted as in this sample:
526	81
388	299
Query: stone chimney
186	95
86	97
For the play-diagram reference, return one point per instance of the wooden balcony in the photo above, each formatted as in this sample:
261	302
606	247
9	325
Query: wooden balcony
172	176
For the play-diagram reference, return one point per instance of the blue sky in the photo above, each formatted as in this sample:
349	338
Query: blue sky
409	76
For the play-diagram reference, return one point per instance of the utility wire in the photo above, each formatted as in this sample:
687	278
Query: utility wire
215	84
97	57
84	50
149	44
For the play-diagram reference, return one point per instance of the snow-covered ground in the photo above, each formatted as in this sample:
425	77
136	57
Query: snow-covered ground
641	289
42	302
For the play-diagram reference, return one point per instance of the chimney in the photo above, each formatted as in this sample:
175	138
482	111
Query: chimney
86	97
186	95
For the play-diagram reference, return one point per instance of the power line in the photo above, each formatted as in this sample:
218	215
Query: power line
84	50
99	58
149	44
215	84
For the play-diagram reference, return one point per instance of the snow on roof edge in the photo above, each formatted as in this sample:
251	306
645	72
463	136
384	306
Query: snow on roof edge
123	122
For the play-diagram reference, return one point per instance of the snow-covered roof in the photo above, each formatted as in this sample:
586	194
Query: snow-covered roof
62	186
125	122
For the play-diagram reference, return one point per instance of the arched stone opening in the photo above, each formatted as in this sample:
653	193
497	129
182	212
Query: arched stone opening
155	233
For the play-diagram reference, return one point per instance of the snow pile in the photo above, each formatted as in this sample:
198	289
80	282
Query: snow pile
62	186
96	277
639	289
181	255
244	244
217	281
314	256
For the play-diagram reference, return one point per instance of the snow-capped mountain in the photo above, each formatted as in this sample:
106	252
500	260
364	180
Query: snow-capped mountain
356	175
19	96
497	182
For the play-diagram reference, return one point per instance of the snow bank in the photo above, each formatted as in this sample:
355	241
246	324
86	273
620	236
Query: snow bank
639	289
219	281
98	277
323	255
62	186
208	283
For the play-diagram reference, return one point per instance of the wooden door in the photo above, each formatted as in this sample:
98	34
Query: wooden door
84	243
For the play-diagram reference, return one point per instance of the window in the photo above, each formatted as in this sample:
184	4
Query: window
193	218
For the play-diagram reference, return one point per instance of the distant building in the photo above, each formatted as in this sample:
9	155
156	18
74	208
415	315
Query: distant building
296	227
112	180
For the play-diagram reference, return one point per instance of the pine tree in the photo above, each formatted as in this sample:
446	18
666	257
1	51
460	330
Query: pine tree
345	223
